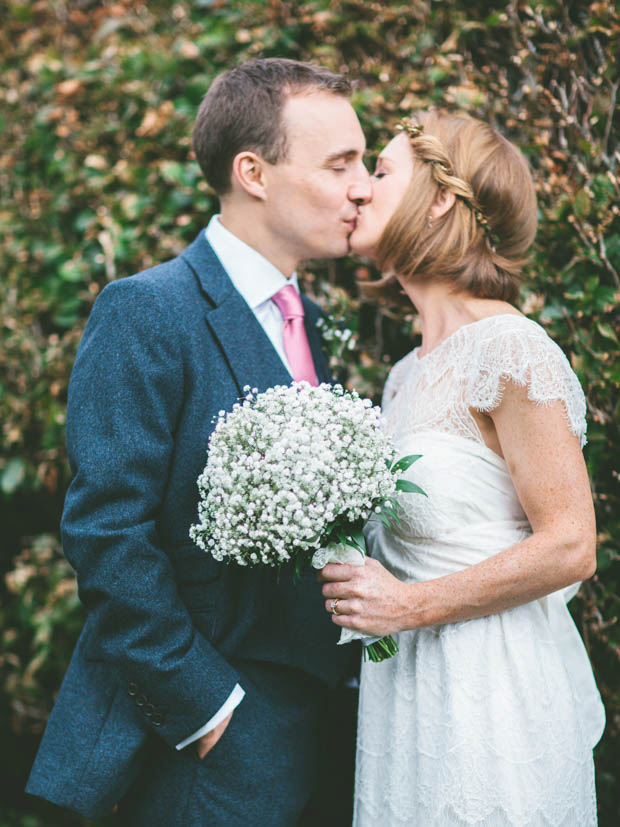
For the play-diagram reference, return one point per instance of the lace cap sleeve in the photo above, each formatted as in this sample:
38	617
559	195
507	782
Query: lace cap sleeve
518	349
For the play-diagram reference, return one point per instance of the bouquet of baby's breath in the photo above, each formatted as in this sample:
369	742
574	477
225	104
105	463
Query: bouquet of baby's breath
295	470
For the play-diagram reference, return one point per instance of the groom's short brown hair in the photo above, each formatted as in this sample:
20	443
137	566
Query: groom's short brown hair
243	111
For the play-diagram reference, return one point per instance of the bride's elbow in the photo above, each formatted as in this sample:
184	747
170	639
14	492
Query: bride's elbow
589	565
582	554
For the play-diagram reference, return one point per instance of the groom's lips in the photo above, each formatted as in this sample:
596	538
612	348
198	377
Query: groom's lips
351	223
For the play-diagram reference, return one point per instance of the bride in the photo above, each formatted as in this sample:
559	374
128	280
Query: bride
489	713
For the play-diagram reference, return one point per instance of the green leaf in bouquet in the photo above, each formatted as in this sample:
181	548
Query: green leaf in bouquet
385	520
391	514
409	487
352	535
405	462
392	501
357	535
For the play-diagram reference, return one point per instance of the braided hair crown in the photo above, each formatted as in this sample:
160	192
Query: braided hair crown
481	243
430	149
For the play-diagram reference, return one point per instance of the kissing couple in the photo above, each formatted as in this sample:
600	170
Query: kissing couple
205	694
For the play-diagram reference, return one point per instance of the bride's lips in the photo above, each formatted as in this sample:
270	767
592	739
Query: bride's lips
351	224
356	223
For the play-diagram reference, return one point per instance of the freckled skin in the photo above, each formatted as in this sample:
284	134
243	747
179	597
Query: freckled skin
544	461
549	475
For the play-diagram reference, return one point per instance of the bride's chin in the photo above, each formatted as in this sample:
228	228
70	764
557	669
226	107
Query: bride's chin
359	248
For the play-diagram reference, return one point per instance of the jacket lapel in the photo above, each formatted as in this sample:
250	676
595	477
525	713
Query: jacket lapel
251	357
245	346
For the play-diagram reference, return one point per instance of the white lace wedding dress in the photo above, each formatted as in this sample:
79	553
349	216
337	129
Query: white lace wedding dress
489	722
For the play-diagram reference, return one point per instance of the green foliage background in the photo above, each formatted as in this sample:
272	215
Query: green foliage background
97	181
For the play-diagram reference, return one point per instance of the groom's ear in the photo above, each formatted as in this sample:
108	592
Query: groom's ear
248	170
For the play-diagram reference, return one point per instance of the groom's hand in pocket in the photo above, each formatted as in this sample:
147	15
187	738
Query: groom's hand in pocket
205	744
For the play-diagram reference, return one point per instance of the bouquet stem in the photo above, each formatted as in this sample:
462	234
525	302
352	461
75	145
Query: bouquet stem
351	548
380	649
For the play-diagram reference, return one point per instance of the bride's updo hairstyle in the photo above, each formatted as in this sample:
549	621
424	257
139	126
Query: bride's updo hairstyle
480	245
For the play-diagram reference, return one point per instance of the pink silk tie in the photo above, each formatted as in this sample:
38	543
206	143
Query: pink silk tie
294	336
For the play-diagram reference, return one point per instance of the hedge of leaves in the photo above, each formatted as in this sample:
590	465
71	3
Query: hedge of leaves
97	181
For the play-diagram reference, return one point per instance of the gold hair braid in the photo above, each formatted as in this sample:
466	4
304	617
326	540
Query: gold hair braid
429	149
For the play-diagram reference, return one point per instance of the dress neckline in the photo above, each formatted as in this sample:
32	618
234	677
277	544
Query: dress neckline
463	327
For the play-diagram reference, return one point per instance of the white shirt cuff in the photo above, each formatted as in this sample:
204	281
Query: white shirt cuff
234	699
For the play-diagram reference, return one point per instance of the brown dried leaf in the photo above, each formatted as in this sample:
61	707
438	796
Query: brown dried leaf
155	120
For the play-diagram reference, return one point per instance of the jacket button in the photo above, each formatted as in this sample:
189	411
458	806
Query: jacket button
148	710
141	700
157	719
132	689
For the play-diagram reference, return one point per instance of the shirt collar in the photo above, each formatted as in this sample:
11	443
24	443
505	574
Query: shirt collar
252	275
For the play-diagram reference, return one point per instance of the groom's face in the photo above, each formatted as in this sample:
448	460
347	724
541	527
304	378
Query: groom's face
313	196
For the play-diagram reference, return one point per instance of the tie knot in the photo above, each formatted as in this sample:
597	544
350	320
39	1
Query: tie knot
289	303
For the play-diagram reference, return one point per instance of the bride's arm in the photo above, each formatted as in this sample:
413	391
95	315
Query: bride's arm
549	475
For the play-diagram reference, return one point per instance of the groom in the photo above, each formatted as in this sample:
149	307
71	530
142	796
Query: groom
196	694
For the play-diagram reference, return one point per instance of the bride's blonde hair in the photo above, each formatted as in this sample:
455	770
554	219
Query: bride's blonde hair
480	245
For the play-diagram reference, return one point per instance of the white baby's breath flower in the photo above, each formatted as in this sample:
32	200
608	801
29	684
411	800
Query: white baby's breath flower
283	465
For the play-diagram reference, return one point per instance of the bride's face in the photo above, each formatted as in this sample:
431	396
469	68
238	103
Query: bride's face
389	183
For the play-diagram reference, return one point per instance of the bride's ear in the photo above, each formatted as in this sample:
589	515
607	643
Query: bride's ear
444	202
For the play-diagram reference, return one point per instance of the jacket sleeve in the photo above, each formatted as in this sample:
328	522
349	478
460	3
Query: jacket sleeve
125	397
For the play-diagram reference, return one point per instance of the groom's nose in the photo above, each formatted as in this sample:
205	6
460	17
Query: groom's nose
360	190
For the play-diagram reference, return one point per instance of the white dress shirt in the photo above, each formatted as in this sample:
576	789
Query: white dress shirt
257	280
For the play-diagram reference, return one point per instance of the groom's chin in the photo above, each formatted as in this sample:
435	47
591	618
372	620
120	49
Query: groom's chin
345	250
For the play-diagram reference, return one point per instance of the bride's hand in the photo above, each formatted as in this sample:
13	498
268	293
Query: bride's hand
370	599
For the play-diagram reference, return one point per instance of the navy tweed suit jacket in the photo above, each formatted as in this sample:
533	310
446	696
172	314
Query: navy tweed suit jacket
163	352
